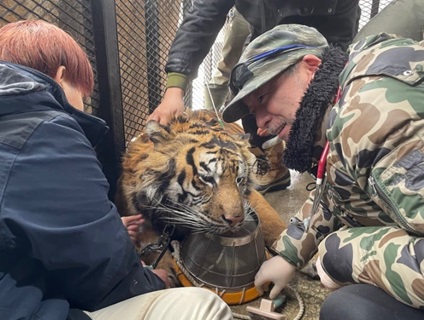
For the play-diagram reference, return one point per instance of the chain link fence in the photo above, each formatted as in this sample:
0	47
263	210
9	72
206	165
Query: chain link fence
127	42
74	16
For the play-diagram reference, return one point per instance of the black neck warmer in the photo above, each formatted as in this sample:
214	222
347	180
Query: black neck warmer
318	98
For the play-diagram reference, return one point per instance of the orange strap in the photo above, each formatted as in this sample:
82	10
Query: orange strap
231	298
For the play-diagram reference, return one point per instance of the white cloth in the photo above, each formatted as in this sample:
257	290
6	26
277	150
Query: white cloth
188	303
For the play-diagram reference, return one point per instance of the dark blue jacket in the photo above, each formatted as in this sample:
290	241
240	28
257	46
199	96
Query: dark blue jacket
62	243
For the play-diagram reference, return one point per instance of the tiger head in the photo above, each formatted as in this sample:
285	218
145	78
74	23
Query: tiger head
192	173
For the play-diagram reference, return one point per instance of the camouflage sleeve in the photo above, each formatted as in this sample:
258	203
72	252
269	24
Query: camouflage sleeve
298	246
387	257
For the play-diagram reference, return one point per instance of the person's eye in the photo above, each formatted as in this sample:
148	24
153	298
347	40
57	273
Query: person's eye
261	99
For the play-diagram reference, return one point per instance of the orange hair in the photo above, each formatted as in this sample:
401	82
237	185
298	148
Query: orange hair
43	46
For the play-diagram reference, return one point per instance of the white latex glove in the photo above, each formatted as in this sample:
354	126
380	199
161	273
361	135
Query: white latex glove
326	281
276	270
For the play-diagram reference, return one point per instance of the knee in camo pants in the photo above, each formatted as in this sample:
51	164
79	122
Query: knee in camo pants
378	256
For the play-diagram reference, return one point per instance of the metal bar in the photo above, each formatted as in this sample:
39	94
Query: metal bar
109	80
375	5
153	65
188	98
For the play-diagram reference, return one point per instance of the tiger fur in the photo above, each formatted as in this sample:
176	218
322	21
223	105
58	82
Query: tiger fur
195	173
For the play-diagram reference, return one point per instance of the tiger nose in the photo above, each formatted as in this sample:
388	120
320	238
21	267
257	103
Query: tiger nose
233	220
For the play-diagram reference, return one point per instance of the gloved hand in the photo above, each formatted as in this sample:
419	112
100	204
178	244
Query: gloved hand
276	270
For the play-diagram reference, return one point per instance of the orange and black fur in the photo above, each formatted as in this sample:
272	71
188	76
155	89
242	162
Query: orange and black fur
195	173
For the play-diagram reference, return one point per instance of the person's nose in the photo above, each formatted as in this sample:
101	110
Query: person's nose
262	117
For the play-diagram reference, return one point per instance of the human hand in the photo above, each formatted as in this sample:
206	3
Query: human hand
132	223
326	281
276	270
163	275
171	105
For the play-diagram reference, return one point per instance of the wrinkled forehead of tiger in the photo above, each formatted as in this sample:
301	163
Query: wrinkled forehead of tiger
199	147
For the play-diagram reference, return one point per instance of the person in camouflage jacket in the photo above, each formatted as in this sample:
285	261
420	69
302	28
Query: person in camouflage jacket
367	107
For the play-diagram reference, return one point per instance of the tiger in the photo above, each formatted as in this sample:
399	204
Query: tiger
195	173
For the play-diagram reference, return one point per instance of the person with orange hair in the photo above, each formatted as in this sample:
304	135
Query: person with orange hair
64	251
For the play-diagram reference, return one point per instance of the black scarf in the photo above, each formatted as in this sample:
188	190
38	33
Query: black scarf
318	98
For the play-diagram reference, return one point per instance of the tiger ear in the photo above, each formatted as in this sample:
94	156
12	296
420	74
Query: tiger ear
156	132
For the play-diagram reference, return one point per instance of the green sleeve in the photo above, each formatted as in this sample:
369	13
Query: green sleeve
178	80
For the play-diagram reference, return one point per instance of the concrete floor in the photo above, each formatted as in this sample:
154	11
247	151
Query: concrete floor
287	202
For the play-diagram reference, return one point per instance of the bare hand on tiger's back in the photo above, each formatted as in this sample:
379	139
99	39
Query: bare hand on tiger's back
276	270
172	105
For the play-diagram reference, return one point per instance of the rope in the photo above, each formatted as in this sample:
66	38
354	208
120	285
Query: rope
240	316
176	254
301	303
214	107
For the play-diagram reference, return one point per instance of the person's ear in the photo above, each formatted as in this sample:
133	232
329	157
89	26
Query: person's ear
60	75
311	63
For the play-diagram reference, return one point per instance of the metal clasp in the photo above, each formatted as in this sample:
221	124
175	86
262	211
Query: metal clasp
160	246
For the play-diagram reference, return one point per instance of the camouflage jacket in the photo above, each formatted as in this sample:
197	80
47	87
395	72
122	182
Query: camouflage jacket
370	224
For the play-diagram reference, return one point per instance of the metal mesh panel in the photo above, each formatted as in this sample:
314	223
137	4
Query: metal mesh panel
369	8
145	33
74	16
206	70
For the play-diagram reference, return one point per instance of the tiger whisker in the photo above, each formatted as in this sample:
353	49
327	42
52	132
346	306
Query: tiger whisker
181	215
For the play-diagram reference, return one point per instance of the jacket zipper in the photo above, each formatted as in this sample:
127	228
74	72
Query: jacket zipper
377	192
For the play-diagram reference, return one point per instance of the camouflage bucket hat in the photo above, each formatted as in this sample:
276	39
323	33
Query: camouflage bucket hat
267	56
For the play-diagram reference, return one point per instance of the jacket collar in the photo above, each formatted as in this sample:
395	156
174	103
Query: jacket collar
307	136
23	89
